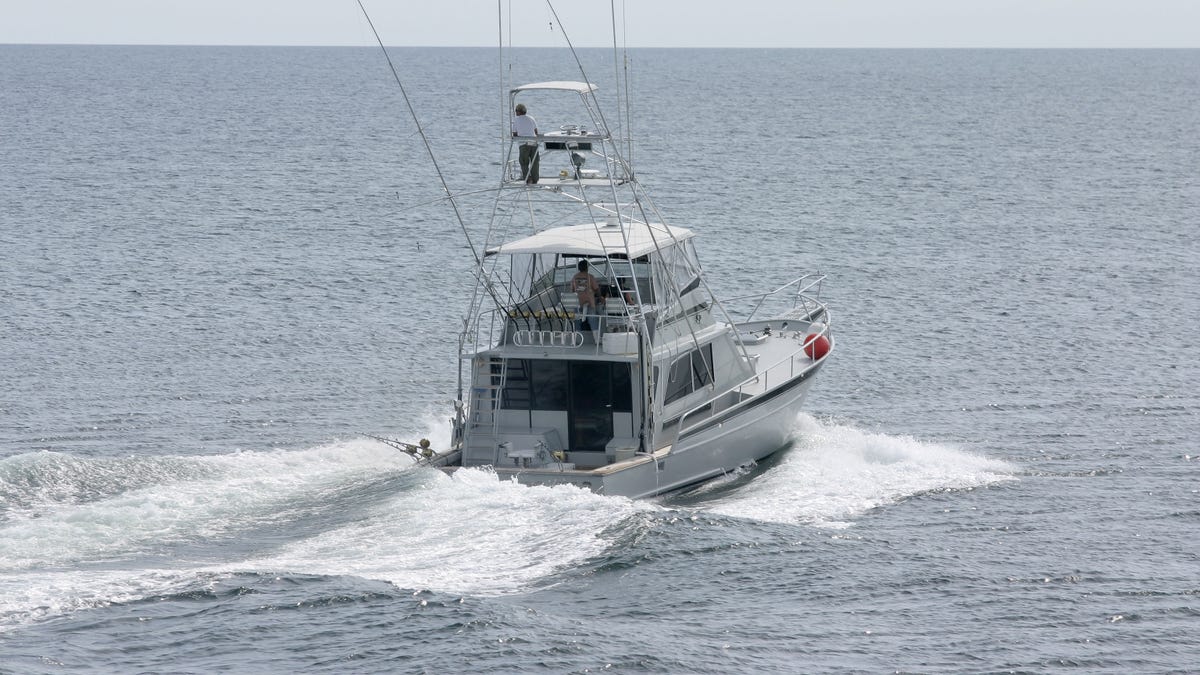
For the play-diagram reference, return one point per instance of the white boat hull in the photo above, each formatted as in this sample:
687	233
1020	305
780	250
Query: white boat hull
751	432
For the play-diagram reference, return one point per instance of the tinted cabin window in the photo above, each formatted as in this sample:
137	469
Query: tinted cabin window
533	384
679	380
688	373
516	394
548	379
702	367
622	388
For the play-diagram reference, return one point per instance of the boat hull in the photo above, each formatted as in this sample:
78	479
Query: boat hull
752	431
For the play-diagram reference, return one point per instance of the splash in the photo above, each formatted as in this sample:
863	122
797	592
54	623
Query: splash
467	533
835	474
62	509
80	532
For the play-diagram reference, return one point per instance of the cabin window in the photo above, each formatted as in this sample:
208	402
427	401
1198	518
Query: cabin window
542	384
517	393
622	388
548	382
688	373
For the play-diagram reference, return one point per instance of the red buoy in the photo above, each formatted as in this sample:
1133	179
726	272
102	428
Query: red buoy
816	346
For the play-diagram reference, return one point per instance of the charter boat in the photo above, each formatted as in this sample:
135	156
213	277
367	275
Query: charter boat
628	377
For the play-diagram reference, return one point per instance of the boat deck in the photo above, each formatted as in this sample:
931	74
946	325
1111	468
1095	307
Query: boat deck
778	355
557	182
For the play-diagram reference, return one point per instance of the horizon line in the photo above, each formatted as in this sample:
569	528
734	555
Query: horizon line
606	48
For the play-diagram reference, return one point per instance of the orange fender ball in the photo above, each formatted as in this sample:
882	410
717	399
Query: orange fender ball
816	346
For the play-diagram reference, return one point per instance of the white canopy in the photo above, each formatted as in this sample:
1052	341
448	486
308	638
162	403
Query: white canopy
577	87
598	240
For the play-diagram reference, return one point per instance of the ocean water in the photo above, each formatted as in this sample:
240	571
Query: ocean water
220	267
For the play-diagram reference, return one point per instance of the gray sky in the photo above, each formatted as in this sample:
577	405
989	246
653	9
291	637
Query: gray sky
648	23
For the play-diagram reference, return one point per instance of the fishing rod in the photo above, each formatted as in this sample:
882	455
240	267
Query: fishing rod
420	451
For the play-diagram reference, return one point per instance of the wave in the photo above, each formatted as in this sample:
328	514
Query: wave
466	533
81	532
62	509
470	534
834	474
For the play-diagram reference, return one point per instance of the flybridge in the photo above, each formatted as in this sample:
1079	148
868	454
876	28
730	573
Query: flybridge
578	153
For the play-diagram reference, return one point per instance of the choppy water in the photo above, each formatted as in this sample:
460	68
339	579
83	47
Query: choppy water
221	266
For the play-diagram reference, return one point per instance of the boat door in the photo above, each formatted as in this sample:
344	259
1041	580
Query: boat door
589	416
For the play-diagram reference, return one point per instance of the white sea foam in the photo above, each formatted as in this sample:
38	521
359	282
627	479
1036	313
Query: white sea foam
74	546
36	595
834	474
208	497
466	533
469	533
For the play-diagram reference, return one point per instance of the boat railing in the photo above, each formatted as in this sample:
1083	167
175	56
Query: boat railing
784	370
526	327
796	291
486	327
569	155
548	338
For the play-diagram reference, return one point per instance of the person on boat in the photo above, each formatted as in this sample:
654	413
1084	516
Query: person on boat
524	125
587	289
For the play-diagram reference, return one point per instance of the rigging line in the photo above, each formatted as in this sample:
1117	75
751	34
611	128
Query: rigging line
509	289
511	57
612	9
720	306
505	137
629	169
625	62
445	187
439	200
582	72
628	124
637	196
424	139
500	39
670	284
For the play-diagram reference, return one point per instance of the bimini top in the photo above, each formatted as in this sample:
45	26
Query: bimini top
598	240
577	87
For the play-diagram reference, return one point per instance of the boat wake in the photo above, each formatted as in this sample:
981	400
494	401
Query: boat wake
84	532
81	532
834	474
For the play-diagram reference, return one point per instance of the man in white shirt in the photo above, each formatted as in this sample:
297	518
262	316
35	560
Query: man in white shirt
524	125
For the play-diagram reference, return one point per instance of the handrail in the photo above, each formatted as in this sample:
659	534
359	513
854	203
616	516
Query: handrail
485	323
816	279
552	338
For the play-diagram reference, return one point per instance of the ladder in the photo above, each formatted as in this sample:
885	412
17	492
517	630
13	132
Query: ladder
487	385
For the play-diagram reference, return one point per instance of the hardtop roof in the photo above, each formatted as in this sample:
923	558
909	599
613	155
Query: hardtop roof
598	240
577	87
